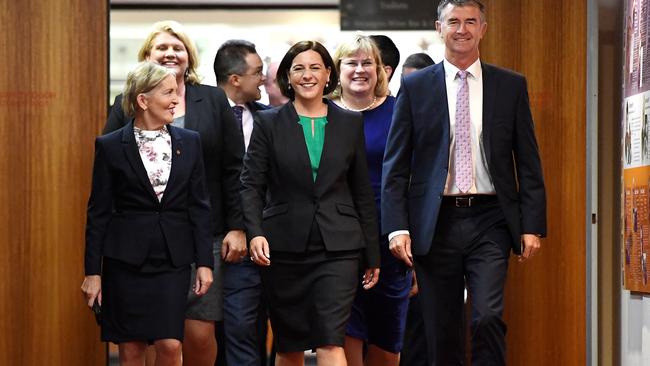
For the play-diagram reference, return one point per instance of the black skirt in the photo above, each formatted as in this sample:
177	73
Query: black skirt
310	295
142	306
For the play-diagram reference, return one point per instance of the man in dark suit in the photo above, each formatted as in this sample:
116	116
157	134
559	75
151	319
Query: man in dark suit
239	72
463	186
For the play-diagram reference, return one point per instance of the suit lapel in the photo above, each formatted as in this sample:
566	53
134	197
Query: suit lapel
489	94
178	161
440	100
299	146
192	101
133	157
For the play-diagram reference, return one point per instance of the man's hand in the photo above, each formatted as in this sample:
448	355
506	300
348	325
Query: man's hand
530	244
400	246
233	249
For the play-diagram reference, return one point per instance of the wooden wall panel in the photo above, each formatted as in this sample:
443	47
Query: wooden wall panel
52	104
545	298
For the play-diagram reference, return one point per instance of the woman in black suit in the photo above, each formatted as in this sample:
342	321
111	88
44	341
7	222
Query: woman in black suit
308	204
204	109
148	220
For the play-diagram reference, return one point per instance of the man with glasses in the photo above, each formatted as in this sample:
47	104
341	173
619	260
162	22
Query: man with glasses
239	72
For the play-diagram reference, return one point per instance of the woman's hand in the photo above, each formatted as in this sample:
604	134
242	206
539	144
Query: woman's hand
203	280
414	286
92	289
370	278
260	253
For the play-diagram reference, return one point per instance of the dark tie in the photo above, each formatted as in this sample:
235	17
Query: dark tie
239	114
463	151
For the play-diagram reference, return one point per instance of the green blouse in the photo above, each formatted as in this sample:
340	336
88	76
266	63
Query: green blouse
314	131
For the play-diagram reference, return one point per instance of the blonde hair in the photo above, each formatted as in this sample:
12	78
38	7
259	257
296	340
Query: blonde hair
144	78
175	29
365	44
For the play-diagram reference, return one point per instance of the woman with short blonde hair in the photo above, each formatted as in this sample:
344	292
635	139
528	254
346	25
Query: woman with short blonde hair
204	109
378	315
147	223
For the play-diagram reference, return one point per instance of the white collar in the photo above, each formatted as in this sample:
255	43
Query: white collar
451	70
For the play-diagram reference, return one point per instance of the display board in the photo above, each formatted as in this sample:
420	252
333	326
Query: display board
636	148
388	15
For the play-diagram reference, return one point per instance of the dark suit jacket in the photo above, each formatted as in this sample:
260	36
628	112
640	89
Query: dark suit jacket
124	212
207	111
280	198
417	155
256	106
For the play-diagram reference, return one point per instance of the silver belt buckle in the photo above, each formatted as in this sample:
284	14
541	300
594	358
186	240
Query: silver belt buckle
464	202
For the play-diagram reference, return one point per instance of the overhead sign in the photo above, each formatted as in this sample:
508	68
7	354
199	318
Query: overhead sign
388	14
293	3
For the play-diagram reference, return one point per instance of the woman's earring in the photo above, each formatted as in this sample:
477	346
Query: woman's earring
327	84
289	86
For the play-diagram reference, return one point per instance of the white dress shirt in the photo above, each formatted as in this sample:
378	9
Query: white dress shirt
481	180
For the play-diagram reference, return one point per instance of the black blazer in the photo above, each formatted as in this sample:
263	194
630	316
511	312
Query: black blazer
280	198
124	212
207	111
417	155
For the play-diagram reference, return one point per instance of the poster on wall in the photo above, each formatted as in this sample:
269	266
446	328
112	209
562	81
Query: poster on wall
635	127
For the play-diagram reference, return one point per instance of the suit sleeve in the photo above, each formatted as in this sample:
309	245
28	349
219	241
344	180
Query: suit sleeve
231	164
364	200
254	179
99	212
396	170
199	211
116	117
532	194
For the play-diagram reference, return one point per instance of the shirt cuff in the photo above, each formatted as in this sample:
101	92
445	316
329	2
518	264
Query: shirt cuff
397	232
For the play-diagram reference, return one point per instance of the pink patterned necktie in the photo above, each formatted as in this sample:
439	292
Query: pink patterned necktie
463	150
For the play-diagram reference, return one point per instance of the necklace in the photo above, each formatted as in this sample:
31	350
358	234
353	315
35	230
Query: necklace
372	103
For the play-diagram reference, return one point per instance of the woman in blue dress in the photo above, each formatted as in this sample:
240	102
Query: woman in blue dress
379	314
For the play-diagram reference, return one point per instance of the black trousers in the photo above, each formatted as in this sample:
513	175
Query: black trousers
471	246
414	351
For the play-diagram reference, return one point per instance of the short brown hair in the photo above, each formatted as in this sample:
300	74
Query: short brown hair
300	47
175	29
144	78
461	3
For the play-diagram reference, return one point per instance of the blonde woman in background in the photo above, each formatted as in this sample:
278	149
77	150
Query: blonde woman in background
379	314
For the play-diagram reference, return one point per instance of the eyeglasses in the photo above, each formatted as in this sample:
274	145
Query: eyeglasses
354	64
257	74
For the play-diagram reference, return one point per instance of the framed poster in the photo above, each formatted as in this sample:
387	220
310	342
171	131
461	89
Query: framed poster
635	144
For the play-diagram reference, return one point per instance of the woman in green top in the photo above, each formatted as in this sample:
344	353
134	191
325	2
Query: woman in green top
308	204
